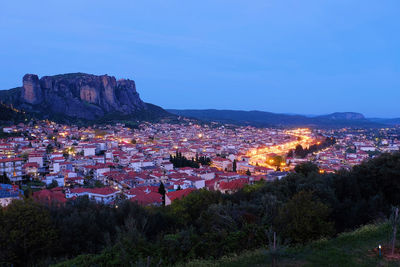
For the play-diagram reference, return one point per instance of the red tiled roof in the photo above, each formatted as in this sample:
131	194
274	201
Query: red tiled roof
99	191
179	193
31	164
233	185
145	198
11	160
49	196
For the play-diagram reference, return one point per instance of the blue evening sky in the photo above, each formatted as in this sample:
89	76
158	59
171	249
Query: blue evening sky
289	56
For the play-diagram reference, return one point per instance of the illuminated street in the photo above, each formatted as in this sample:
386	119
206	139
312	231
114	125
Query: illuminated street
263	156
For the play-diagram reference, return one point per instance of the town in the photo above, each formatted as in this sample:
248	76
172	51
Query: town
158	163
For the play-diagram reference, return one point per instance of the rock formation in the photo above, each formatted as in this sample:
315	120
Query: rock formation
78	95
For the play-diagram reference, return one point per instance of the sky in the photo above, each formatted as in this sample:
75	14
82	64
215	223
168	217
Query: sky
285	56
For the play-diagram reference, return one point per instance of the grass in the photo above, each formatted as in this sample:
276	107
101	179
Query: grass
348	249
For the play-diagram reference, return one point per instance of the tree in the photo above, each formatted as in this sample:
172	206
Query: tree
161	191
53	184
26	233
234	165
303	219
277	161
49	149
300	152
98	184
4	179
306	168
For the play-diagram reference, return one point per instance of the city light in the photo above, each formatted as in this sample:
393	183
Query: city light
300	136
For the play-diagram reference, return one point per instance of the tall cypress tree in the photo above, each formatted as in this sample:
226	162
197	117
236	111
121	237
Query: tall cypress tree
161	191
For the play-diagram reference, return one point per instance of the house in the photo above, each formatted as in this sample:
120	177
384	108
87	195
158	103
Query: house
51	196
168	166
178	194
12	167
101	195
9	193
231	186
31	168
98	170
144	196
276	175
221	163
54	177
36	157
196	182
62	166
89	150
9	129
74	180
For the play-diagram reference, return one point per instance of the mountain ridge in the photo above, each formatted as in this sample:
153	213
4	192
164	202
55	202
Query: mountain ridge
265	119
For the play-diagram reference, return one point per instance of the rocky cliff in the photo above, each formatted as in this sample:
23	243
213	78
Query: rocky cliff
79	95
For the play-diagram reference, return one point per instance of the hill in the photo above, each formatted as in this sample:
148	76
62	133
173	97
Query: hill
266	119
81	97
394	121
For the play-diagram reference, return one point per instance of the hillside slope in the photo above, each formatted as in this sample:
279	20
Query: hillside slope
348	249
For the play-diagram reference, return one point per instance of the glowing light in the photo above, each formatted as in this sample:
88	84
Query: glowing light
302	136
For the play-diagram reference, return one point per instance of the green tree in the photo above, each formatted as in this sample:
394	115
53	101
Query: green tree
26	233
161	191
277	161
53	184
49	149
303	219
4	179
98	184
234	165
306	168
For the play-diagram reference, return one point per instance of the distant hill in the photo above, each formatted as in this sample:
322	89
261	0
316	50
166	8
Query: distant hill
395	121
81	96
262	118
9	115
348	116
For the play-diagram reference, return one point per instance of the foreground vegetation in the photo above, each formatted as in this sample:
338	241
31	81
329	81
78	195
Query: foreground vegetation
348	249
207	226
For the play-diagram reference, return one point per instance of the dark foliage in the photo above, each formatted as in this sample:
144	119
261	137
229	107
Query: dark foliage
302	153
180	161
301	207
